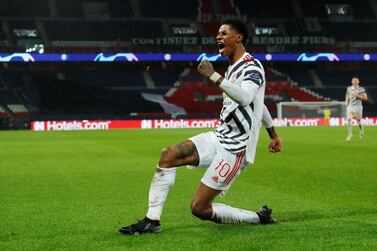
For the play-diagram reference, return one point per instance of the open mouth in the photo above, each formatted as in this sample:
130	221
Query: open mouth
221	47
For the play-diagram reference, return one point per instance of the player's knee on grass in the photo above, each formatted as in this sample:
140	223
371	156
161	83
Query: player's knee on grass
203	212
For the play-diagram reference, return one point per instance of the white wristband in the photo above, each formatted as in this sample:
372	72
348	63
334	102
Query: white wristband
215	77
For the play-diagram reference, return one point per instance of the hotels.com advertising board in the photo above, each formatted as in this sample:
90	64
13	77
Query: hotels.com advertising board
121	124
77	125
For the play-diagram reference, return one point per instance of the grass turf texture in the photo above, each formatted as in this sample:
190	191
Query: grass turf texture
73	190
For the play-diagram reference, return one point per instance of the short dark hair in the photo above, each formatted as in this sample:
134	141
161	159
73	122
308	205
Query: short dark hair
240	27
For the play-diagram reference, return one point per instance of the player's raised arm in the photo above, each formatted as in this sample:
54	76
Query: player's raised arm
275	144
242	95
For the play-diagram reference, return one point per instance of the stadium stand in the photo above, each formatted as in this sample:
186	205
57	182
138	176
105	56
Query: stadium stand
228	7
205	7
300	76
120	9
2	38
23	25
127	78
166	76
165	7
60	97
69	9
116	90
351	31
2	112
265	9
334	93
24	8
357	9
101	31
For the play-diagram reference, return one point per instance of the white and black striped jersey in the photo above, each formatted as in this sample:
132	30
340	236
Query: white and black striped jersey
239	126
353	101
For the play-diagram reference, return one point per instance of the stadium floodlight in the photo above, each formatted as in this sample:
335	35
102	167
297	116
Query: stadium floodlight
311	109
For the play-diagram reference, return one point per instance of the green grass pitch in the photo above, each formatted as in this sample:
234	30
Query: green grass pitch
73	190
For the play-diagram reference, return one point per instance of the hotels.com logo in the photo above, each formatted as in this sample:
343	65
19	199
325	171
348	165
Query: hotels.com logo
180	123
71	125
39	126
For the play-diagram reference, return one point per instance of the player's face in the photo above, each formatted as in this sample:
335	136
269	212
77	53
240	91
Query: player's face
355	81
227	39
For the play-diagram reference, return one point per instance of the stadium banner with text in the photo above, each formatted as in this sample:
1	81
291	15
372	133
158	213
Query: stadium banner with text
77	125
189	57
301	122
256	40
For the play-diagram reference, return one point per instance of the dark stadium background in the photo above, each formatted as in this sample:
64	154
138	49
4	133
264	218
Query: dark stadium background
82	90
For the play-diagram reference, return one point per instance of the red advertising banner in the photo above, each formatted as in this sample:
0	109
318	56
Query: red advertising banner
321	122
76	125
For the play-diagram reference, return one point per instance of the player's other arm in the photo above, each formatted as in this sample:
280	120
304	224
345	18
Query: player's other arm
243	95
347	99
362	96
275	144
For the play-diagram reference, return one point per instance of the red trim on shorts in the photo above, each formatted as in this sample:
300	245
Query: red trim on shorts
236	167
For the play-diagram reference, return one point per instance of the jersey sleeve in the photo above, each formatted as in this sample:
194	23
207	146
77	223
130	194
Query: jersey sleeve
252	79
242	95
252	74
266	118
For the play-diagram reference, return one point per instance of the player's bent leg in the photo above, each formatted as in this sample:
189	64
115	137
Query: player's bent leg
349	125
201	204
231	215
361	128
184	153
180	154
161	183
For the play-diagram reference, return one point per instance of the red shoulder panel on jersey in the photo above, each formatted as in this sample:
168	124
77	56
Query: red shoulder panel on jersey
248	58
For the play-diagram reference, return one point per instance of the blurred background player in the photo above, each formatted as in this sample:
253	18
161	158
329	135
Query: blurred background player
326	116
354	97
225	150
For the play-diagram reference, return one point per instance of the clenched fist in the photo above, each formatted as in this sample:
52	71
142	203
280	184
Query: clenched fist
275	145
205	68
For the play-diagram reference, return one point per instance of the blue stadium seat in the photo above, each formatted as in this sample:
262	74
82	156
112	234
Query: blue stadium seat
334	93
165	77
300	76
128	78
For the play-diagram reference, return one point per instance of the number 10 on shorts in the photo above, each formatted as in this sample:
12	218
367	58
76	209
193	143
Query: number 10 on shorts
223	168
